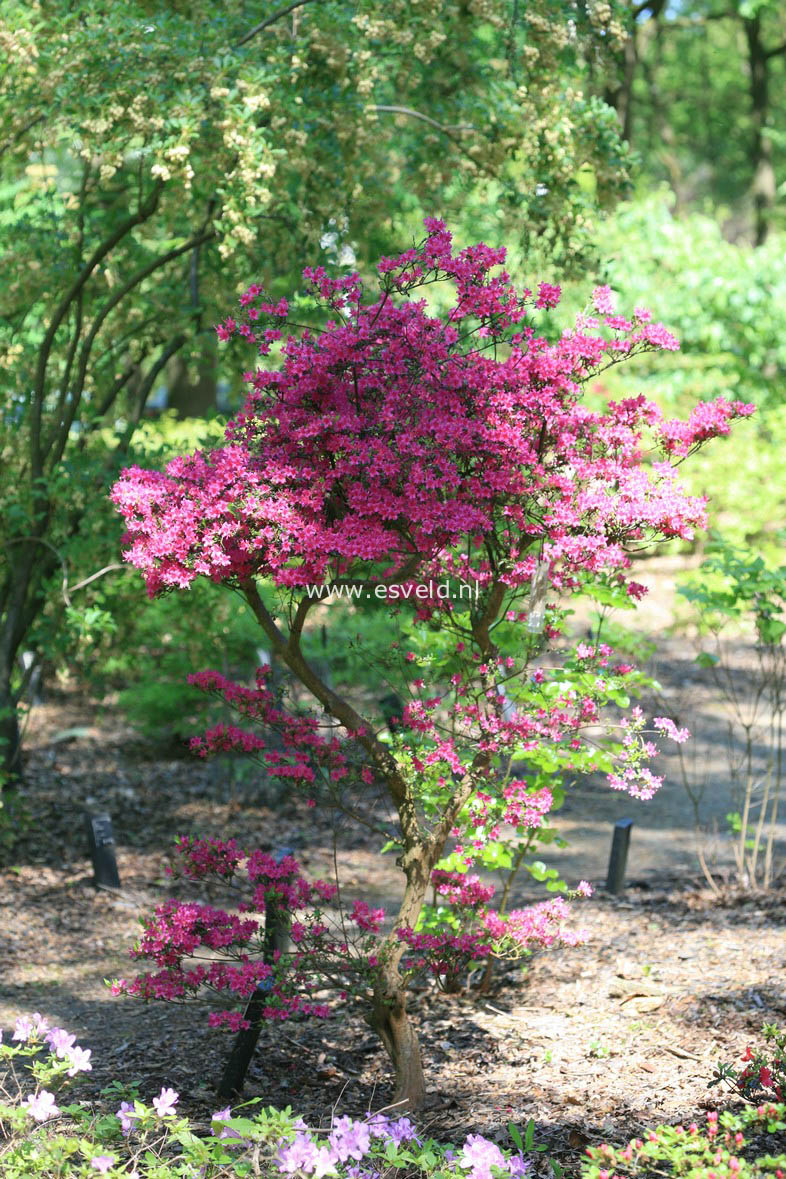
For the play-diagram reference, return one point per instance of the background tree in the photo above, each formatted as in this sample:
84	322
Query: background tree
701	92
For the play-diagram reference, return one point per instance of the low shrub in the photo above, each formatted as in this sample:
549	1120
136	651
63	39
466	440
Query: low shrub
730	1144
42	1136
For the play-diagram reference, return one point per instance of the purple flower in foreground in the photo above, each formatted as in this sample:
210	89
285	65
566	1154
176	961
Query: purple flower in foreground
60	1041
479	1156
103	1162
349	1139
79	1060
221	1115
518	1165
379	1125
402	1130
128	1116
324	1162
23	1029
165	1102
41	1106
298	1156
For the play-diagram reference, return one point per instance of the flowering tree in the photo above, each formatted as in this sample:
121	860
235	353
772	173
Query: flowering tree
135	199
398	453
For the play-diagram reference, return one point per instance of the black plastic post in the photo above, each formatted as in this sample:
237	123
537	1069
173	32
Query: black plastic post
101	844
618	860
276	935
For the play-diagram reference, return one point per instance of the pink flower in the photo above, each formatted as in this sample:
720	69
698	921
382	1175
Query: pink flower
548	295
41	1106
128	1116
478	1156
79	1061
103	1162
60	1041
23	1029
603	300
165	1102
668	727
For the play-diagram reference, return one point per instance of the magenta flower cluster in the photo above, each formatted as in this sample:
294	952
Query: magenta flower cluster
364	444
180	933
301	752
397	446
473	931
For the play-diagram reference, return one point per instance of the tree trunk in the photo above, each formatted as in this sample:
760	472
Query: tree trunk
763	187
619	94
10	744
194	399
390	1020
12	629
662	132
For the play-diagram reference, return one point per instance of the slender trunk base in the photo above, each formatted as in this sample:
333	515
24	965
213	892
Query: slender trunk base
10	743
391	1022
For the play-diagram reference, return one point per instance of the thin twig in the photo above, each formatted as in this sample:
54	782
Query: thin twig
271	20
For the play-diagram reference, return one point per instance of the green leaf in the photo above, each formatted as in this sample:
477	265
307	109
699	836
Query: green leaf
513	1130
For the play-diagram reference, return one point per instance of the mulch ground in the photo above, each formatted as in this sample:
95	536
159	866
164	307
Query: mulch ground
593	1043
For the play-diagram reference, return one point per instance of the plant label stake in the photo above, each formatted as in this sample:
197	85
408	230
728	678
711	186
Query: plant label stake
536	607
276	935
101	845
615	881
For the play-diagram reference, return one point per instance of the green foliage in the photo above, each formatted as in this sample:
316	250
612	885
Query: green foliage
733	585
725	301
164	643
725	1144
736	593
694	123
727	305
719	1147
137	651
112	641
746	483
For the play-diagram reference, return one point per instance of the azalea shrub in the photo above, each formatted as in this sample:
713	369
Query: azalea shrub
746	1142
763	1073
200	950
726	1145
444	463
43	1134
